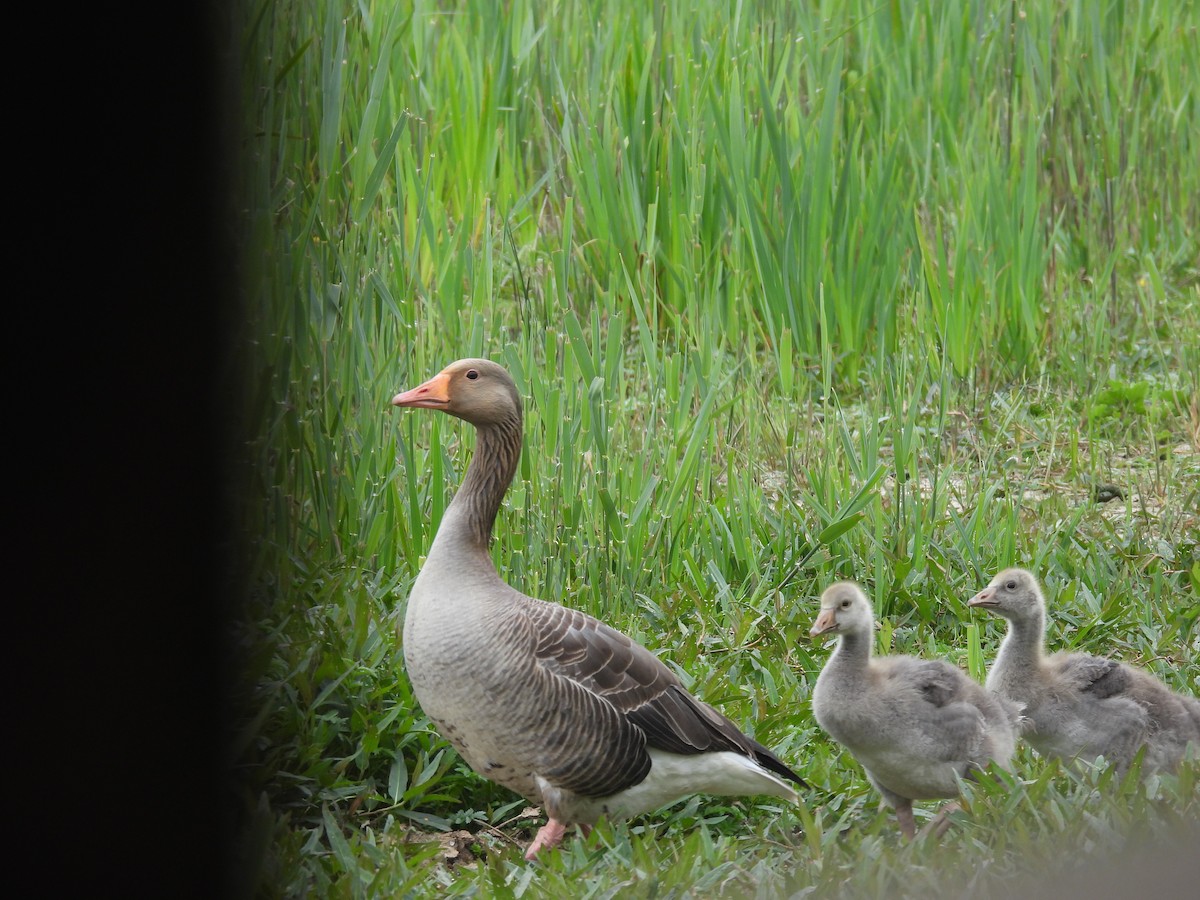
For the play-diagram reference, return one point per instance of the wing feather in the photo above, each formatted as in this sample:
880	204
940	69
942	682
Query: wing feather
950	713
641	694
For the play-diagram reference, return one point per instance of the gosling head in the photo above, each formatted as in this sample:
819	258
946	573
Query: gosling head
1013	594
844	609
476	390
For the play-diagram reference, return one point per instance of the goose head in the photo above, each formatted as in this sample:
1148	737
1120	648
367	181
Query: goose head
475	390
845	609
1013	594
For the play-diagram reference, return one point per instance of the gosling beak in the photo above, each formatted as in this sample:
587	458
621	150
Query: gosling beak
433	394
986	597
825	623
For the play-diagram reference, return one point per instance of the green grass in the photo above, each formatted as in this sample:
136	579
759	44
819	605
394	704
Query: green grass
793	292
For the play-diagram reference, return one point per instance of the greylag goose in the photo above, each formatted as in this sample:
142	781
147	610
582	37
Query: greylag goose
1081	706
915	725
546	700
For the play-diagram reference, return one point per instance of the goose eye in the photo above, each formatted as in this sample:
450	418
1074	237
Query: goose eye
472	374
845	604
1011	585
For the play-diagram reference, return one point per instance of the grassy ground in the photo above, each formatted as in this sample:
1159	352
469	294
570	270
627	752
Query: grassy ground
896	292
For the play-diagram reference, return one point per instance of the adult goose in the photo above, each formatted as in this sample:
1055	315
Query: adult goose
917	726
1082	706
546	700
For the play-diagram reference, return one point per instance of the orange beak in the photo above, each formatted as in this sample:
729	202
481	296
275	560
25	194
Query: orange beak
433	394
986	597
826	621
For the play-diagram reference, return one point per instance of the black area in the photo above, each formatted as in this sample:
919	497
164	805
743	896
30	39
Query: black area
132	574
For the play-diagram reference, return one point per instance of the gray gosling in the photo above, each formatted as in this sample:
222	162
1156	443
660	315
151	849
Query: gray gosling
917	726
1080	706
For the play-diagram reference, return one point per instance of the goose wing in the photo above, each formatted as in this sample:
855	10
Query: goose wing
951	725
1101	678
620	674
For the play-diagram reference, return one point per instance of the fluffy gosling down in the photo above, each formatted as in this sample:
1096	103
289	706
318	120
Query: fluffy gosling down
917	726
1081	706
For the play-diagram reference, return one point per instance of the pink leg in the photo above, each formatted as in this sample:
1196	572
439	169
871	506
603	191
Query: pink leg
940	823
549	835
907	824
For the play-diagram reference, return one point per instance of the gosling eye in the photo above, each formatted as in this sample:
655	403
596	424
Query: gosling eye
472	374
845	604
1010	585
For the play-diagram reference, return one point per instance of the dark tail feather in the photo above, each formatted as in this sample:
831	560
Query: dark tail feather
769	760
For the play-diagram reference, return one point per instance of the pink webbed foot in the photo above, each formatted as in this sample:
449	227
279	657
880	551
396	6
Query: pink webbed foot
549	835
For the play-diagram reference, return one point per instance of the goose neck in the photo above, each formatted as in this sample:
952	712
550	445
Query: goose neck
1022	645
472	512
853	652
